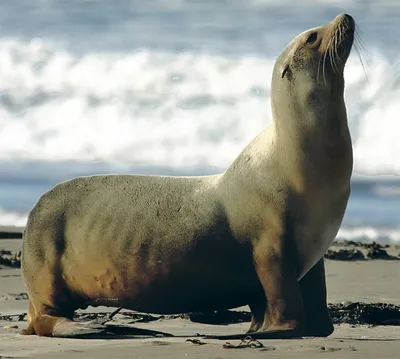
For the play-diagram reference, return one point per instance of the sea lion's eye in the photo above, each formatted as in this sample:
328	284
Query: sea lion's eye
312	38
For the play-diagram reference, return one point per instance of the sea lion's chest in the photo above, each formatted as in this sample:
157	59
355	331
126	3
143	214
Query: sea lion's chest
317	229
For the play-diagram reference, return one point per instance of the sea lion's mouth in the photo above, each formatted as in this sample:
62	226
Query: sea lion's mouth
348	32
345	43
346	38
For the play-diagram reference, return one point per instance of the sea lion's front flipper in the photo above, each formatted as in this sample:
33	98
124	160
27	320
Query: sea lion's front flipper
314	294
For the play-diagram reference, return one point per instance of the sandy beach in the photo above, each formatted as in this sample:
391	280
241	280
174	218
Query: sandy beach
349	281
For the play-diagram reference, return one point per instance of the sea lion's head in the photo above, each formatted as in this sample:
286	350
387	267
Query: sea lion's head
310	69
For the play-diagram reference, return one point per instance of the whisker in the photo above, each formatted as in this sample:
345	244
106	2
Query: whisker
359	46
362	63
337	41
323	64
332	60
330	52
338	36
361	51
358	32
360	42
335	48
335	56
319	65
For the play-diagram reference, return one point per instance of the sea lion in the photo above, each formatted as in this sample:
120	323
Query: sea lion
253	235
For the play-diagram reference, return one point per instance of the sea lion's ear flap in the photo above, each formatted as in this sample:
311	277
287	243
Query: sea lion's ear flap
286	62
284	69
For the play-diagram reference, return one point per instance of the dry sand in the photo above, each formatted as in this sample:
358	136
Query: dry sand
364	281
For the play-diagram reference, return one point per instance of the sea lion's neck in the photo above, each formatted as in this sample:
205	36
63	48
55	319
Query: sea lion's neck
317	147
314	132
319	151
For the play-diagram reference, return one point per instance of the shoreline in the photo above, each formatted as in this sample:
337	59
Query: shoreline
11	232
341	250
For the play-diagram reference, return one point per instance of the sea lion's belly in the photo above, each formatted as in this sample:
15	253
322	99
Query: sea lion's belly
190	283
160	273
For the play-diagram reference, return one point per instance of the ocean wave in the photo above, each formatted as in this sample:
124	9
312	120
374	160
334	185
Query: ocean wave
8	218
369	234
175	109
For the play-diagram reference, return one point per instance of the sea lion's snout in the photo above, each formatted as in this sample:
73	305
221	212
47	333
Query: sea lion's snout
345	20
339	40
344	27
343	24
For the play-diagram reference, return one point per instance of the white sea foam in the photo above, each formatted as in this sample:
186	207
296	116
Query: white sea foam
144	107
175	109
8	218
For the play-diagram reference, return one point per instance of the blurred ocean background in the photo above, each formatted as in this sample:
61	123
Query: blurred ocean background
180	87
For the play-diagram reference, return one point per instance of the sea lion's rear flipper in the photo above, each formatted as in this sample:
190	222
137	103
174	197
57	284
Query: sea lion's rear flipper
53	324
71	329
